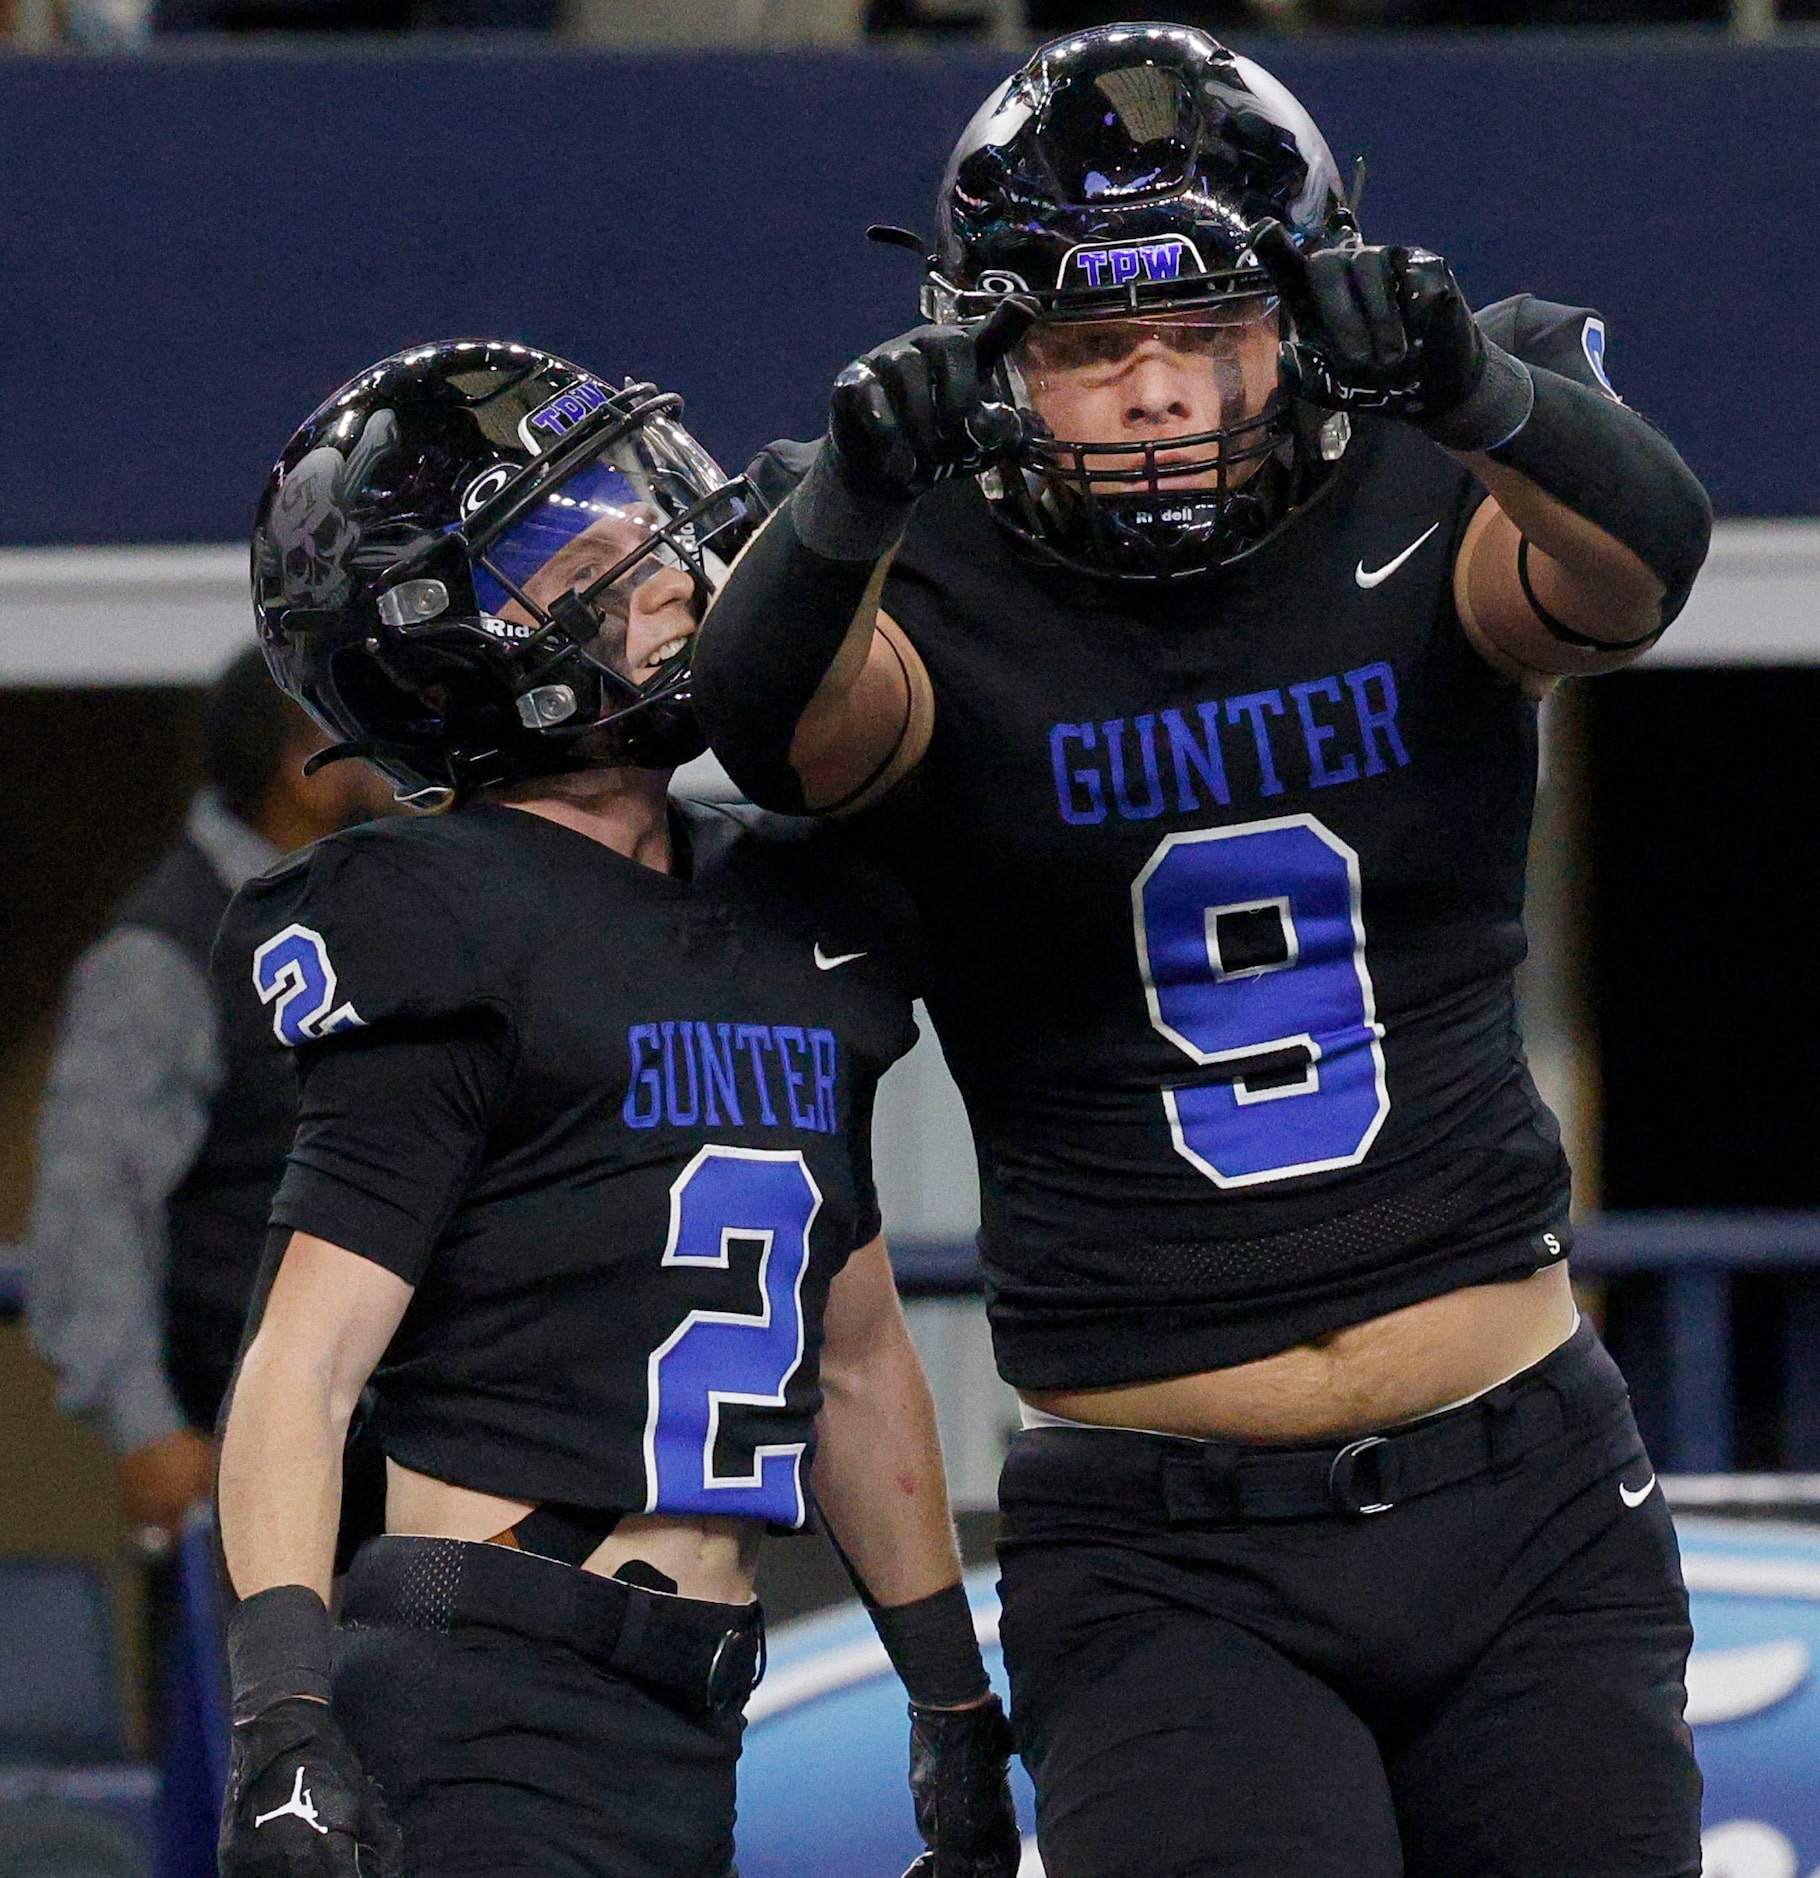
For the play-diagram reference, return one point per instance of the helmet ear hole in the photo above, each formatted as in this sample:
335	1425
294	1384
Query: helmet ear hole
365	686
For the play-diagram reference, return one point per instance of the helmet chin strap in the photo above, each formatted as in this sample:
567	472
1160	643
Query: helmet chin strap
1117	537
368	750
338	753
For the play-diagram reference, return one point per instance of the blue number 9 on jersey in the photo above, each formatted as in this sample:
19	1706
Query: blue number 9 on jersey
1252	945
714	1359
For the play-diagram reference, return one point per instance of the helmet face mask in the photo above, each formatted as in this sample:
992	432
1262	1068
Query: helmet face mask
1113	180
1145	431
520	557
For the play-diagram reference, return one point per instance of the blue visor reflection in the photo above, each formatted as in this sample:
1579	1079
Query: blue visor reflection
596	493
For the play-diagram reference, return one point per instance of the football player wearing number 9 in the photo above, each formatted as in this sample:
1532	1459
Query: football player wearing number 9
581	1188
1199	717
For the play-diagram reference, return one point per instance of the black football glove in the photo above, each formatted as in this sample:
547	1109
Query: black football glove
1377	328
959	1758
910	413
298	1805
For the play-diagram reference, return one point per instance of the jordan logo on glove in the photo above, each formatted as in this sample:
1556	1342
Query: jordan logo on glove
299	1804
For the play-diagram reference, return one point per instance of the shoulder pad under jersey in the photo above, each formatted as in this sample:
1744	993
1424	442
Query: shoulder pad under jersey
1569	340
778	468
351	931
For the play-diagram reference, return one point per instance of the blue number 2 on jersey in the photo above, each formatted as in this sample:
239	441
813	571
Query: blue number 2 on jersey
718	1357
292	971
1252	945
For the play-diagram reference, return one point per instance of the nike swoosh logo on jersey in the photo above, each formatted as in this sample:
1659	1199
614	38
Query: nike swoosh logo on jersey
824	963
1635	1496
1378	576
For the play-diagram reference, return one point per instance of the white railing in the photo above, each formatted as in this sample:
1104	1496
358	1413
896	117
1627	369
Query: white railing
137	616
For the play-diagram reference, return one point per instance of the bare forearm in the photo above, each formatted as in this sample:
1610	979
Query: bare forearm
326	1323
878	1473
279	1488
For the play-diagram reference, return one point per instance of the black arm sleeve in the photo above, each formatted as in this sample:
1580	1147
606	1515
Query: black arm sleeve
777	625
1600	459
392	1124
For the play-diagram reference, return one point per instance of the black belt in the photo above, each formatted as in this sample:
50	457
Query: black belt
1221	1483
705	1658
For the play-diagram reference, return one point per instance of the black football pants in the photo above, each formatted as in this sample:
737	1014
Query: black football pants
1485	1681
503	1755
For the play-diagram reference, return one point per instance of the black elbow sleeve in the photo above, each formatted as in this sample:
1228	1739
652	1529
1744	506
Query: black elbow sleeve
765	647
1603	461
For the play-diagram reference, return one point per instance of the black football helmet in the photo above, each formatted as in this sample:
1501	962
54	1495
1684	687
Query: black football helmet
445	556
1115	177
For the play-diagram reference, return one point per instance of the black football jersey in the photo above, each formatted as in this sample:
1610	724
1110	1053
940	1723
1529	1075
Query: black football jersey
1223	890
612	1124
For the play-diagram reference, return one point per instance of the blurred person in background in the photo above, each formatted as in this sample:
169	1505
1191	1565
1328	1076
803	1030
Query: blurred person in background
166	1119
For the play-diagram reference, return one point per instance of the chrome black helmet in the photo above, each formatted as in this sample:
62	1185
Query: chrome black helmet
447	561
1113	180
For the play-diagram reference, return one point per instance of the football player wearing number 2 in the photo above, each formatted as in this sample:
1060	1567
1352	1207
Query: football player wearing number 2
1171	612
581	1189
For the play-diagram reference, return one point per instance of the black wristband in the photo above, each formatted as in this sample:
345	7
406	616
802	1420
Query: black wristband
933	1649
1492	413
834	522
278	1645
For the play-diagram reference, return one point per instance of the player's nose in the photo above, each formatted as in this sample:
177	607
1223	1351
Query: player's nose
665	586
1158	390
662	617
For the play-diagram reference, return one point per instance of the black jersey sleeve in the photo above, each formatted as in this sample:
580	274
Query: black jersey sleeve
352	932
1568	340
400	1021
778	468
393	1122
